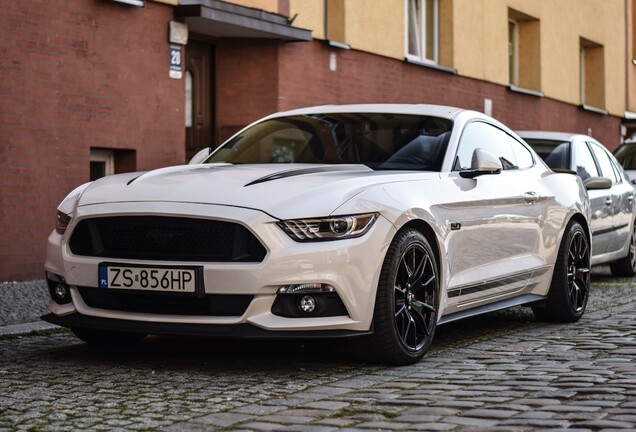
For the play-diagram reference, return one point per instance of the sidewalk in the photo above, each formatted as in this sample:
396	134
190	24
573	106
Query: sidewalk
21	305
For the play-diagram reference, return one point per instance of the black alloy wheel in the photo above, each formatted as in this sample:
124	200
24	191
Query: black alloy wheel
407	302
578	272
571	281
415	297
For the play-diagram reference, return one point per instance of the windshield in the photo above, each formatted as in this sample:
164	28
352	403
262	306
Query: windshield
379	141
555	154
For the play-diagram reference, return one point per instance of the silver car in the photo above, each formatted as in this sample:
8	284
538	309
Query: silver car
610	191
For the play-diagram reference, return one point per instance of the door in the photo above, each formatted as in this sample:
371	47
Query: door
622	197
496	237
199	88
601	202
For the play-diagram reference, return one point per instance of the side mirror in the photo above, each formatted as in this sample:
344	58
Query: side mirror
597	183
200	156
483	162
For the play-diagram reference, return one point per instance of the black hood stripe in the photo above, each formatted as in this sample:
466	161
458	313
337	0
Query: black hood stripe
303	171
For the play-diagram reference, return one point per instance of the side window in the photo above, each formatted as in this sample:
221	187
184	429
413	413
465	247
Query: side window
619	172
583	161
482	135
522	154
607	170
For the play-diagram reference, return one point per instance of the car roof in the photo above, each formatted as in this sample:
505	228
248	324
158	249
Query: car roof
417	109
552	136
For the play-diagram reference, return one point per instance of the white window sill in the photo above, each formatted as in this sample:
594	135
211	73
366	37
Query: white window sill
338	44
431	65
594	109
525	91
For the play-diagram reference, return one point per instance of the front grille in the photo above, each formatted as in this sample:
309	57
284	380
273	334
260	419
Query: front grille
165	238
166	303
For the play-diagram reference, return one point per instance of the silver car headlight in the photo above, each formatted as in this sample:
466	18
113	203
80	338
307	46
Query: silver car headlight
328	228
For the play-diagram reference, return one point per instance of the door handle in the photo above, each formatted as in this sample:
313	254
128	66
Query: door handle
531	197
608	201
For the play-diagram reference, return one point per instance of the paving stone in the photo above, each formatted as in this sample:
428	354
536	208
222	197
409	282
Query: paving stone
308	428
605	424
379	425
470	421
490	413
261	426
286	419
223	419
326	405
337	422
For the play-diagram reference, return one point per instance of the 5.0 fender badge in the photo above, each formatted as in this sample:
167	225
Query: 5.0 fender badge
454	226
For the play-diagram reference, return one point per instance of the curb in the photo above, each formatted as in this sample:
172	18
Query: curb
26	328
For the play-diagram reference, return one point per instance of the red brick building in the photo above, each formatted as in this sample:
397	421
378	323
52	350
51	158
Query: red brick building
89	80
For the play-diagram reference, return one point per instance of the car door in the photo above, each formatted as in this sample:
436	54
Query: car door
584	163
495	237
621	195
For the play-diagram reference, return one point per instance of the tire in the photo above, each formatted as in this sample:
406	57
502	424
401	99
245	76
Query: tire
106	337
571	281
626	266
407	302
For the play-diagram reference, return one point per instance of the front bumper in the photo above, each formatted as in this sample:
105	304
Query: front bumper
351	266
238	331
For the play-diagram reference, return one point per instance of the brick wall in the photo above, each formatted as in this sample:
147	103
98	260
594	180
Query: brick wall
74	75
246	83
305	79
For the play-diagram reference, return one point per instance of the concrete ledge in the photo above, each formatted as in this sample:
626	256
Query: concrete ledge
23	302
25	328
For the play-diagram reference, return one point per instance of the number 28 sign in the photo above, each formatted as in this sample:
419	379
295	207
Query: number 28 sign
176	59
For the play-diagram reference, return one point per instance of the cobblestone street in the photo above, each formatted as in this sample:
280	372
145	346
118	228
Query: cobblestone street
503	371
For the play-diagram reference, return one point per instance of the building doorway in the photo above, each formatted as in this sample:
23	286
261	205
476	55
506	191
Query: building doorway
200	97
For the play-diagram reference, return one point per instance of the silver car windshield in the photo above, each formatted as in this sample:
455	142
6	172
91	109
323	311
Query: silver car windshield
379	141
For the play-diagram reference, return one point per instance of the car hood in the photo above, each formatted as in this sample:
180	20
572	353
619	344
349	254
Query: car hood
294	190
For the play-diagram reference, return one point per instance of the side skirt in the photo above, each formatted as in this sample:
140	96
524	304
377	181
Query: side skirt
492	307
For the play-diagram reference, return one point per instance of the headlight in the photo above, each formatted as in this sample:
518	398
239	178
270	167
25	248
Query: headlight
62	222
329	228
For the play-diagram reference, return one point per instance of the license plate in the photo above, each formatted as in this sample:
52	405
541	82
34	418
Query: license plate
161	279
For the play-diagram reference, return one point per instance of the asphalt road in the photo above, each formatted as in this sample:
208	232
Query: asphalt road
502	371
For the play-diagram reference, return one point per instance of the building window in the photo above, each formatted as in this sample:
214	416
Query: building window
524	51
592	74
422	37
102	163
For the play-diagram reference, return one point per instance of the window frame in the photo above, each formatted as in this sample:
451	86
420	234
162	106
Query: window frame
105	156
421	22
454	168
513	52
617	178
573	152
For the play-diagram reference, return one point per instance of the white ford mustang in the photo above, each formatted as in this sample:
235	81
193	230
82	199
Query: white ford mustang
375	221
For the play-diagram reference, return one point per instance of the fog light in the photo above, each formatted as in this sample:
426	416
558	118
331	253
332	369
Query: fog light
60	291
308	304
